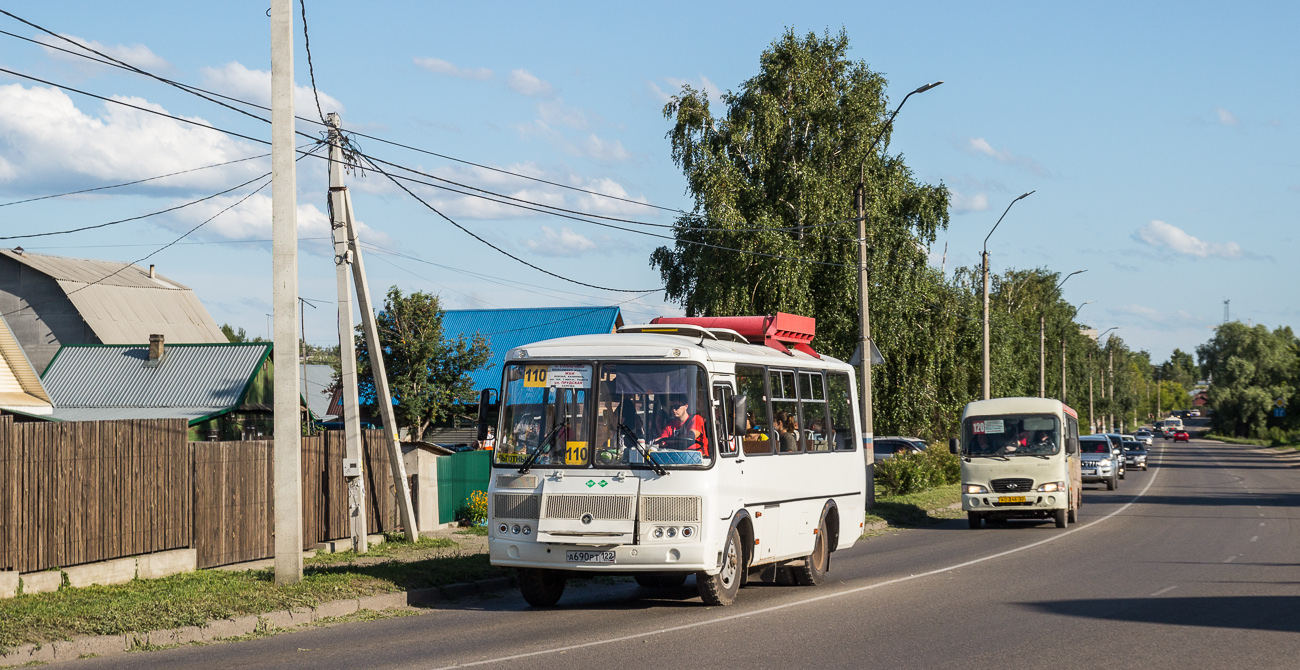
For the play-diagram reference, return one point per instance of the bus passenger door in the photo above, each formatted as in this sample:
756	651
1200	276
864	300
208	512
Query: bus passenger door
730	463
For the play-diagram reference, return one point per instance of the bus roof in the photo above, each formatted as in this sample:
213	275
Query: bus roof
997	406
643	345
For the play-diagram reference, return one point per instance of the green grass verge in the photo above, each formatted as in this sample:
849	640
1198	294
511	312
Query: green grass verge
1232	439
474	530
196	598
913	509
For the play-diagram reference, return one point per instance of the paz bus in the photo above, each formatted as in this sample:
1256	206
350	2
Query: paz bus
1020	459
724	448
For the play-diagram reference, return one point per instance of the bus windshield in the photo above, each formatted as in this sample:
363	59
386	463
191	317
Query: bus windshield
1016	435
543	415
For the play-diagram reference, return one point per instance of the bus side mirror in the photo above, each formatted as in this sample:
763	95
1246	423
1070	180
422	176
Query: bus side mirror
484	399
739	415
954	445
1071	446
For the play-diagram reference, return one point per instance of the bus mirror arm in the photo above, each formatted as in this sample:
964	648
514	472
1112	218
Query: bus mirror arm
484	399
954	445
739	415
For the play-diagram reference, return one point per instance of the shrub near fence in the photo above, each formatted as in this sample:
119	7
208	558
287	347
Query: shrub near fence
913	472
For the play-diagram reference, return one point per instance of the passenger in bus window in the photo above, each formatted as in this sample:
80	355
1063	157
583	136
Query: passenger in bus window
685	430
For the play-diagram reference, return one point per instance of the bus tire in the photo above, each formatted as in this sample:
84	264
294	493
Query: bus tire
974	520
660	580
813	570
1073	515
720	590
541	588
1061	516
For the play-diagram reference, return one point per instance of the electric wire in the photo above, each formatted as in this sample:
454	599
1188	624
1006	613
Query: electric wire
306	41
132	183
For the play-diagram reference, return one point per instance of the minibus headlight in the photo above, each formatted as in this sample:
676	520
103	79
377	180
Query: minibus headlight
974	488
1051	487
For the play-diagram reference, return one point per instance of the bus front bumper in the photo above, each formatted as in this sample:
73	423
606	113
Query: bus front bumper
682	557
1030	504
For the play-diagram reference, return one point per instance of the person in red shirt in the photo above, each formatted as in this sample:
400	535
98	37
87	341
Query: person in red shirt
686	426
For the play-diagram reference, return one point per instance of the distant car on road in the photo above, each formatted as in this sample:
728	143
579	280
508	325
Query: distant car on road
1195	412
1117	452
886	447
1097	463
1144	436
1135	455
1182	436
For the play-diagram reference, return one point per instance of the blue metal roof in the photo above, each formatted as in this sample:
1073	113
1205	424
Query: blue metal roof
506	329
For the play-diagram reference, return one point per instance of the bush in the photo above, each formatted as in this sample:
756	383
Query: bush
475	510
912	473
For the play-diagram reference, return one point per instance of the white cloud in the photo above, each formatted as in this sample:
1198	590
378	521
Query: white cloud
555	112
603	150
46	143
251	220
608	206
591	146
525	83
441	66
1164	235
1159	317
237	81
981	146
565	243
1225	117
962	203
138	55
711	90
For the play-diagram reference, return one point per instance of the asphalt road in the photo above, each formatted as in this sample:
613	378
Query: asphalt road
1191	564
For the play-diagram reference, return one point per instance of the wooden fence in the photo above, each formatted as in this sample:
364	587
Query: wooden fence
92	491
82	492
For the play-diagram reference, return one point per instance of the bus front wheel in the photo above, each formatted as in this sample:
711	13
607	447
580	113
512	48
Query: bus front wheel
541	588
974	520
1061	516
720	589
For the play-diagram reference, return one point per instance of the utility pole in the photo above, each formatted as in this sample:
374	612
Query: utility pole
1111	374
1092	423
1042	356
986	324
382	397
1159	414
354	469
864	338
1063	370
287	449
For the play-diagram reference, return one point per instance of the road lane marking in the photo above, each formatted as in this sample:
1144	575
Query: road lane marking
1261	523
1165	590
813	599
1254	538
1229	559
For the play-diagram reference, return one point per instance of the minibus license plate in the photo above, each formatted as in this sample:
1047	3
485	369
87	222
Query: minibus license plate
1011	499
590	556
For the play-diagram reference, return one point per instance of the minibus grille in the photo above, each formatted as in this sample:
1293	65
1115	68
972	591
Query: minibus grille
516	505
599	507
670	508
1012	485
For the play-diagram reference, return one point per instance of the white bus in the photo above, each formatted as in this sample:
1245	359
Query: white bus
1020	459
678	448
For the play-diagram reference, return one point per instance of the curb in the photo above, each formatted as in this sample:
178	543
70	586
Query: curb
220	629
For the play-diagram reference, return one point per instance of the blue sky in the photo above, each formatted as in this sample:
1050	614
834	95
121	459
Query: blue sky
1160	138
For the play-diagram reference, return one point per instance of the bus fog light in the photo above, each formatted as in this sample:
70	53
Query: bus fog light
974	502
659	532
528	530
503	528
688	531
515	529
672	532
1051	500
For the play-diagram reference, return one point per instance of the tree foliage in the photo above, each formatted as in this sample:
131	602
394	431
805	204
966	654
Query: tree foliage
427	373
1251	368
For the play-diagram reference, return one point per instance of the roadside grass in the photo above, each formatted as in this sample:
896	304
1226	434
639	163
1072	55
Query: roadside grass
1276	444
474	530
914	509
195	598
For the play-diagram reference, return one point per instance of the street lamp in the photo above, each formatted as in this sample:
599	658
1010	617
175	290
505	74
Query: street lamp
985	256
1042	346
864	320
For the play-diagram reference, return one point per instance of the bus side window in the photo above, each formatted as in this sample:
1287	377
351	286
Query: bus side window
722	404
787	426
751	384
812	397
841	410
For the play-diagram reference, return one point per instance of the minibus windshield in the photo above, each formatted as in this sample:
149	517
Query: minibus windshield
1012	435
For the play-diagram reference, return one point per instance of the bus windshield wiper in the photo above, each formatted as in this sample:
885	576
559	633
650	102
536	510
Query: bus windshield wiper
645	453
550	440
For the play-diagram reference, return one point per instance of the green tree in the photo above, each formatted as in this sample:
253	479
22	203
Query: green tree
428	375
238	335
770	176
1250	368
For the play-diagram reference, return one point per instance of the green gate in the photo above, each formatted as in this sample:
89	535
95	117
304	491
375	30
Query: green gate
458	476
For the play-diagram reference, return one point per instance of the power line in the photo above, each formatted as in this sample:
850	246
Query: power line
132	183
306	41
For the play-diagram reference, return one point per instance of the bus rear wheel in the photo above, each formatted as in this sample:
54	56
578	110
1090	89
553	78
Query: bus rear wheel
813	570
720	590
541	588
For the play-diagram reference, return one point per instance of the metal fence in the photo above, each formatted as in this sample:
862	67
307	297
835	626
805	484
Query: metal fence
458	476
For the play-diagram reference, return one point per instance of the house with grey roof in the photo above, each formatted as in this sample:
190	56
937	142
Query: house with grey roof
21	391
51	301
224	391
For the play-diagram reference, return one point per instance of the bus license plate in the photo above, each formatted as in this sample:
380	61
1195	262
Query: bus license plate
590	556
1011	499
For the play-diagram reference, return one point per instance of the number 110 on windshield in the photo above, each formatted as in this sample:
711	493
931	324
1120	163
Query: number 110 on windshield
535	375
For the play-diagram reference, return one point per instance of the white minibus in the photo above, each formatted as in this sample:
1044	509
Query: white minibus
723	448
1019	459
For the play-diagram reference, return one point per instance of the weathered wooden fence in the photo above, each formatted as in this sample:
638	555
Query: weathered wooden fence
81	492
92	491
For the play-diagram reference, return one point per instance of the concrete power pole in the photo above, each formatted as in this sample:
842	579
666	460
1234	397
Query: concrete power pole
287	448
1063	371
382	397
1092	423
864	344
1042	356
354	461
1110	373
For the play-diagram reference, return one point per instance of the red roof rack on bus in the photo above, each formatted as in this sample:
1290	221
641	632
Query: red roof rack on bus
776	330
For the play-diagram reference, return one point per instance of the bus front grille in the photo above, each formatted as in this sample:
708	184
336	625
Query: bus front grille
516	506
670	508
598	506
1012	485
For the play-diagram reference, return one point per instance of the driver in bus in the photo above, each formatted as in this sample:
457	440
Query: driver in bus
686	426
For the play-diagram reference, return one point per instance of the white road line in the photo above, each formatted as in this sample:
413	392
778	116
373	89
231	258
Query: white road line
1253	539
805	601
1229	559
1165	590
1261	523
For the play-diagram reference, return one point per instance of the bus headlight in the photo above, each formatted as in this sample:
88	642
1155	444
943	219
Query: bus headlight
974	488
658	533
1051	487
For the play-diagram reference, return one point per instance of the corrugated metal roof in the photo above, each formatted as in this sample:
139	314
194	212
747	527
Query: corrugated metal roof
20	386
129	306
209	377
116	413
318	378
506	329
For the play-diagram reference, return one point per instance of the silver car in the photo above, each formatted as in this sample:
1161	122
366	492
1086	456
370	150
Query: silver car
1145	437
1097	462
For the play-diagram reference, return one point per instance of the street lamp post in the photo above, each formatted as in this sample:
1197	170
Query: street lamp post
864	312
1042	347
984	255
1072	315
1110	416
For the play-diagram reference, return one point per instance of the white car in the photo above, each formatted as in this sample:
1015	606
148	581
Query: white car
1145	437
1195	412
